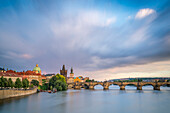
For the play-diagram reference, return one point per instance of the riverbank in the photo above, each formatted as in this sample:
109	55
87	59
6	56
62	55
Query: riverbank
15	93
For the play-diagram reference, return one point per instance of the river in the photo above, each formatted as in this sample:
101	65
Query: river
91	101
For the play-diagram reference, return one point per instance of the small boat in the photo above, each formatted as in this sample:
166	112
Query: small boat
49	91
54	90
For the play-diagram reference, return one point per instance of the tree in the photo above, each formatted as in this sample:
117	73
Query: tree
2	82
35	82
18	83
51	87
10	83
31	86
25	83
45	85
58	85
52	81
61	78
64	86
43	81
88	80
5	82
58	82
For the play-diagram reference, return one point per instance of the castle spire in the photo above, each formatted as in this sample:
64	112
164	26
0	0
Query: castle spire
71	70
63	67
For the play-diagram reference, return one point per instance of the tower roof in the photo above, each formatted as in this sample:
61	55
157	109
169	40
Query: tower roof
37	68
63	67
71	70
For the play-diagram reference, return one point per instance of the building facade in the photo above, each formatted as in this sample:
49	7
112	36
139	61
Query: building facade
13	76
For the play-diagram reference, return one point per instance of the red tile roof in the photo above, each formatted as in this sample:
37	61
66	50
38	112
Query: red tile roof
10	74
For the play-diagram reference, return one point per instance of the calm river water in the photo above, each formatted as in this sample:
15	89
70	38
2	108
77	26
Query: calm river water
91	101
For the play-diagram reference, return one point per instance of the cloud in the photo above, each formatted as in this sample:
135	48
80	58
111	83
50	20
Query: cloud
155	69
14	55
142	13
87	39
26	56
110	21
129	17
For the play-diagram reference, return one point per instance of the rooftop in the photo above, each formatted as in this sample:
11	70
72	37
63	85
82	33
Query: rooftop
10	74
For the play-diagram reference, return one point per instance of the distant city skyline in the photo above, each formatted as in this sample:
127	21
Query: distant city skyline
99	39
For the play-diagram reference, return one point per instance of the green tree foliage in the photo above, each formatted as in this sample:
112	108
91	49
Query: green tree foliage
45	85
39	87
58	82
61	78
51	88
10	83
18	83
59	85
35	82
31	86
2	82
25	83
90	80
5	82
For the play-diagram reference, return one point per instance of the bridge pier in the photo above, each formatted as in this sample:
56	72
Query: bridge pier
91	87
122	87
157	88
77	87
139	87
106	88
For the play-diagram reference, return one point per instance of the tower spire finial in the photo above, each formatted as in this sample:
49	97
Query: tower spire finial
63	67
71	70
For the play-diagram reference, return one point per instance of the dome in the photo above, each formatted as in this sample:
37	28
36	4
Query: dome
37	69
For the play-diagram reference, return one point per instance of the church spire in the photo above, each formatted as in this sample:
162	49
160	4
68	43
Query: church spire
71	70
63	67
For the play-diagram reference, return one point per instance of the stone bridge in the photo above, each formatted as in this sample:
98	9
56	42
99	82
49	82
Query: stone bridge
122	85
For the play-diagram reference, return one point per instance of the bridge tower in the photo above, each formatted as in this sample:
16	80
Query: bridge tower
64	72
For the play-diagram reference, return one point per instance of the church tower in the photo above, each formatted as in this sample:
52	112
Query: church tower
71	73
64	72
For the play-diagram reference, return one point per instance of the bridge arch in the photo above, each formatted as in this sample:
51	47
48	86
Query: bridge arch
70	86
148	86
114	86
85	85
98	86
130	86
165	86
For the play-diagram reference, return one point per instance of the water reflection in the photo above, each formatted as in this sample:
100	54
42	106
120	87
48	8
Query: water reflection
90	101
114	87
98	87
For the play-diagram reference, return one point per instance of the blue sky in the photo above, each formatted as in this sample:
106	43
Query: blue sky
100	39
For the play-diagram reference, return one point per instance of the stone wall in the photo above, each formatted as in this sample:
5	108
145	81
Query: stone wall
14	93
